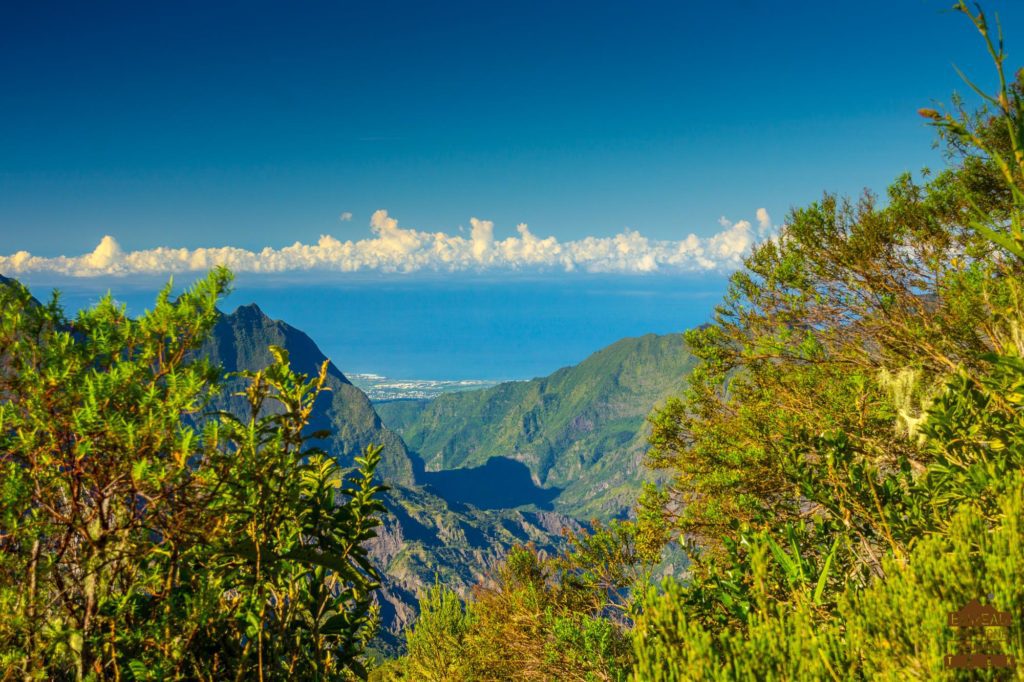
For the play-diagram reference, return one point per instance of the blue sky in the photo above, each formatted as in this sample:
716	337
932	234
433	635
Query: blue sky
254	124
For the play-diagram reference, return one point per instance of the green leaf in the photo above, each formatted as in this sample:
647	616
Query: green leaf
789	566
819	589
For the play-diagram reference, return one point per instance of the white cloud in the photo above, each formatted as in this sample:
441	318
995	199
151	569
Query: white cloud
764	222
482	235
345	217
105	255
392	248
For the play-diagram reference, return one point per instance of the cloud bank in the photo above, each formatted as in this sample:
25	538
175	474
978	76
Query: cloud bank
397	249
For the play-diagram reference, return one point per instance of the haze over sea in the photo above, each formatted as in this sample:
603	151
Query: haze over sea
449	328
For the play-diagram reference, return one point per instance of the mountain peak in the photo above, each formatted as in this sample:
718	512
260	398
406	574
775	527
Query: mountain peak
249	311
241	341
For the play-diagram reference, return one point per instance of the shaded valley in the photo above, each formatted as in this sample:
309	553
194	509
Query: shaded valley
498	483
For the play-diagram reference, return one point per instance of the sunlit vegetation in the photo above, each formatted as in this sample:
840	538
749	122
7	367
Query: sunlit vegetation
845	460
843	469
144	536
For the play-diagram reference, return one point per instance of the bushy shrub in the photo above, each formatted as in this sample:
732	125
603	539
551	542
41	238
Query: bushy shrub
142	538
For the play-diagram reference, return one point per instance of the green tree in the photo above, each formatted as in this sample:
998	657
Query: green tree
143	538
894	629
881	489
829	349
436	644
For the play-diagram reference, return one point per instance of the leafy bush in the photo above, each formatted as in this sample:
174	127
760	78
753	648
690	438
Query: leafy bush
895	629
143	538
537	618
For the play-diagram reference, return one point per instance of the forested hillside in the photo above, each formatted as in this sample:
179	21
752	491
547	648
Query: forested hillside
581	432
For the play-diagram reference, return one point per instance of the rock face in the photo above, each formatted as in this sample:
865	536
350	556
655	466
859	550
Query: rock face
5	281
581	432
426	539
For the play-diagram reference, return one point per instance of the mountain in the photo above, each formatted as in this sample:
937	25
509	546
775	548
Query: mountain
241	341
424	537
452	525
579	434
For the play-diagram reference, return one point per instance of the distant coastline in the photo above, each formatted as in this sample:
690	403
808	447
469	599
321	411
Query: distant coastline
380	388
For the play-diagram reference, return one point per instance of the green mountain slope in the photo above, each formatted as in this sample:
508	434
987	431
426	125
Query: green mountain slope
426	536
581	432
423	538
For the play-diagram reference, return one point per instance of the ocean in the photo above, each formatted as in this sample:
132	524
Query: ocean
451	328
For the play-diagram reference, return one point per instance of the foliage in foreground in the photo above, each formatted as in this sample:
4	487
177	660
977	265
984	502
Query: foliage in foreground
537	618
143	538
894	628
847	459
